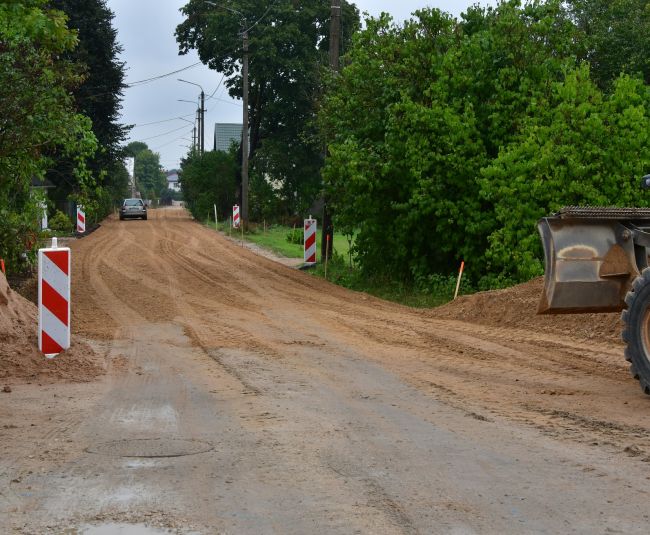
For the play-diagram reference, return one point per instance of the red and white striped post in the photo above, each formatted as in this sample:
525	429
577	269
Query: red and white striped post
81	219
235	216
54	299
310	241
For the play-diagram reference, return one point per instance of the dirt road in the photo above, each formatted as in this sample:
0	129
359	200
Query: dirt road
246	397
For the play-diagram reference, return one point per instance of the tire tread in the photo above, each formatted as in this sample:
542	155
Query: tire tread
637	301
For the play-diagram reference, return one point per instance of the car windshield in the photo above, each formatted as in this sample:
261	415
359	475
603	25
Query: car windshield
133	202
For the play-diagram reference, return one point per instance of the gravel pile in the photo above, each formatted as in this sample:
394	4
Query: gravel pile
517	307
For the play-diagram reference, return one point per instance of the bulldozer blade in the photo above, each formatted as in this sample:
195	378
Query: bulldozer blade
589	265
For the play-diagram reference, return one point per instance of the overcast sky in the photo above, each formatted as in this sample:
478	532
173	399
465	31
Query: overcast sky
146	32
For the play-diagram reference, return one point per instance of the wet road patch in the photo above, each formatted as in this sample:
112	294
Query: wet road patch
151	448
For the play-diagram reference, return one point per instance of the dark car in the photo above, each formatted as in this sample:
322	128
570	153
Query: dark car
133	208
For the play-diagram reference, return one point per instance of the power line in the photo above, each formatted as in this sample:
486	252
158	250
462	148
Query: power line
154	78
260	19
218	86
166	133
173	140
160	76
164	120
238	104
222	99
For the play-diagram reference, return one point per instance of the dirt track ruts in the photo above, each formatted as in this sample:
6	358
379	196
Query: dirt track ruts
184	272
370	378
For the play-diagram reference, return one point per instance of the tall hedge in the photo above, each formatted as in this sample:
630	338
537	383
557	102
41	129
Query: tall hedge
448	139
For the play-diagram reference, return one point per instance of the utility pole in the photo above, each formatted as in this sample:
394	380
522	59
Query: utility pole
200	117
202	126
195	137
327	245
244	145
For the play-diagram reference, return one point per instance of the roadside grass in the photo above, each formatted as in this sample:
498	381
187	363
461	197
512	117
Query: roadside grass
275	239
436	291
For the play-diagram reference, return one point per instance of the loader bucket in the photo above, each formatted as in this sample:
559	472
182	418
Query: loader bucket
590	264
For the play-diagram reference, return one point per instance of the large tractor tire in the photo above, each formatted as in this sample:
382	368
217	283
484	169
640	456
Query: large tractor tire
636	329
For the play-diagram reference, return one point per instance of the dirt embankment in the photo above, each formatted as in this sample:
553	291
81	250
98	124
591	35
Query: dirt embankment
20	359
516	307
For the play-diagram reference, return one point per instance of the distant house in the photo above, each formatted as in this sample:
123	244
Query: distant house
225	134
172	180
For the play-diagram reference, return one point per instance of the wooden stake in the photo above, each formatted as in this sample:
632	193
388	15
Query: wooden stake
460	276
216	225
327	254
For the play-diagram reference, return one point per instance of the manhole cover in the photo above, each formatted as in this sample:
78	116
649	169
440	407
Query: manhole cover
118	529
151	447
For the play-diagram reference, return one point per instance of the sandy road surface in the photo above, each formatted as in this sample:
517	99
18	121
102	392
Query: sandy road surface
306	408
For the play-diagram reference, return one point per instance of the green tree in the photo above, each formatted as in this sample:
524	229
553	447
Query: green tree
39	117
208	180
133	148
614	37
99	98
417	114
449	139
577	147
288	50
149	176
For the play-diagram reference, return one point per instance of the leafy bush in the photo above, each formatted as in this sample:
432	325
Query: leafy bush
448	139
208	180
60	222
296	235
444	286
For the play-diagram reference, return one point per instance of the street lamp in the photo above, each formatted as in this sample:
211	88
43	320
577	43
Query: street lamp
201	116
244	148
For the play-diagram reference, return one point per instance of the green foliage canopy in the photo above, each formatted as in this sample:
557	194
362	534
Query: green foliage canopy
39	117
149	176
98	97
448	139
289	41
208	180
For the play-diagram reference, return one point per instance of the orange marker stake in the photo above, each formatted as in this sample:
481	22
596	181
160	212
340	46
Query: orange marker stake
327	253
2	265
460	276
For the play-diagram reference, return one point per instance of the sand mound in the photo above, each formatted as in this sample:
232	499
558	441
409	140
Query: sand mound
517	307
20	359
